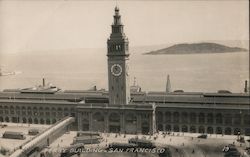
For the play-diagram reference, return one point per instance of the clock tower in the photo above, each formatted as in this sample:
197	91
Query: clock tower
118	57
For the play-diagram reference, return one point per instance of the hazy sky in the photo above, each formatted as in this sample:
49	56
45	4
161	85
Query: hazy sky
45	25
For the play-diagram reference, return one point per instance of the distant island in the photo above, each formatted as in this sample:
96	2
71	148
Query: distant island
196	48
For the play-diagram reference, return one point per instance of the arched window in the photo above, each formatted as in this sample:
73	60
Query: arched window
228	119
1	110
210	130
53	111
168	116
219	118
237	119
12	111
98	117
35	112
176	117
247	120
114	117
201	129
184	117
210	118
201	118
159	117
193	117
6	110
7	119
66	111
131	118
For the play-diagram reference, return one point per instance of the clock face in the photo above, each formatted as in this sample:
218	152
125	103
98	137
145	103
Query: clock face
116	69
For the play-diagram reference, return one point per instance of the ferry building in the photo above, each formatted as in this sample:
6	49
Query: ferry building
125	109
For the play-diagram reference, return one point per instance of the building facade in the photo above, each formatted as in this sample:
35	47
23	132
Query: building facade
120	111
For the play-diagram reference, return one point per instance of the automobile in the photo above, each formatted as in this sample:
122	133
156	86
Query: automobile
202	136
230	147
232	154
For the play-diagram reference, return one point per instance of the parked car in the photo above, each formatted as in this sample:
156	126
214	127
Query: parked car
202	136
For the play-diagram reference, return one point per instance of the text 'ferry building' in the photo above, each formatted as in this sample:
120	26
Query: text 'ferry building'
125	109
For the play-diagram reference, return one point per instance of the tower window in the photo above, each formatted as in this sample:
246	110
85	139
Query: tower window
112	88
117	96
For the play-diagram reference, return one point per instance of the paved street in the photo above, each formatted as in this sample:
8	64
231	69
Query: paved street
180	145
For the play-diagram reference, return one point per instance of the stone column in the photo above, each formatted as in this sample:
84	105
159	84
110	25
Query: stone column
164	122
152	123
122	121
90	121
138	116
106	121
79	117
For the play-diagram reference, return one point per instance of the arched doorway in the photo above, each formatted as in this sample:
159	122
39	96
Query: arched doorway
36	121
160	127
210	130
168	128
176	128
184	128
41	121
247	131
114	123
24	120
201	129
85	125
218	130
30	121
130	123
237	131
228	131
98	122
7	119
47	121
54	121
193	129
